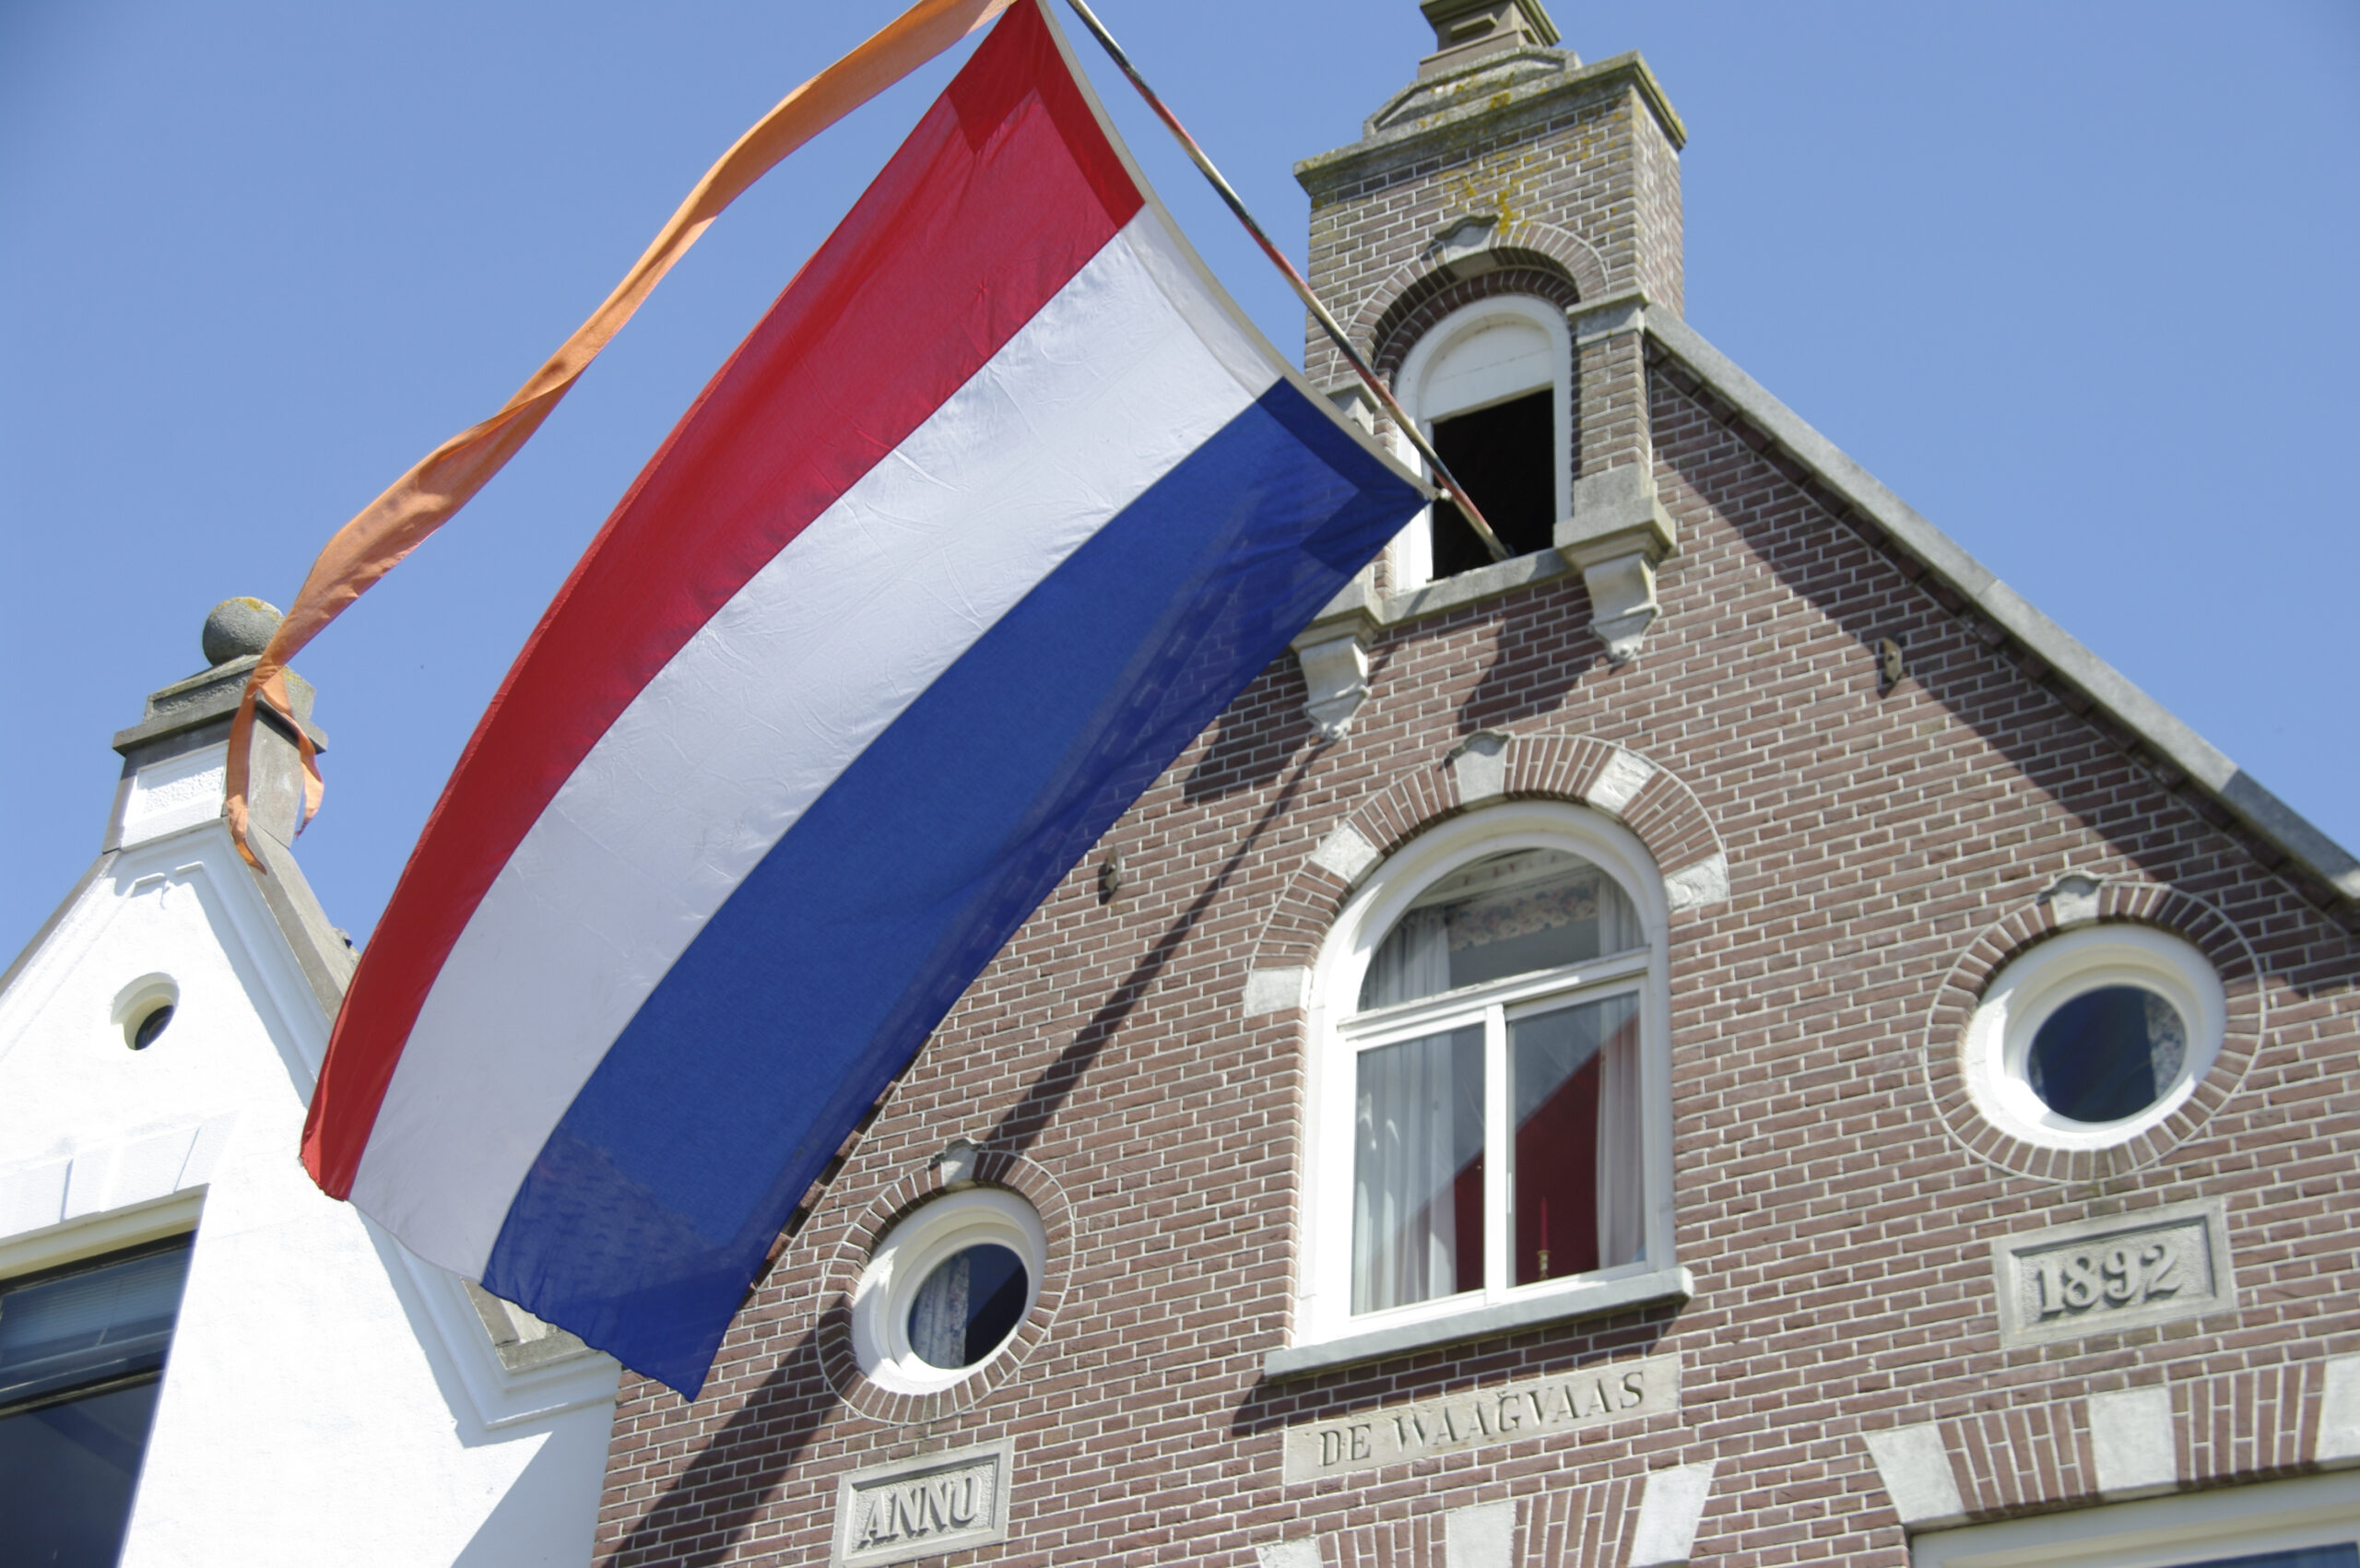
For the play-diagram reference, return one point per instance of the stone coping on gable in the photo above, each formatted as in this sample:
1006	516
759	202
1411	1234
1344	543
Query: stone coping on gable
2153	727
1845	486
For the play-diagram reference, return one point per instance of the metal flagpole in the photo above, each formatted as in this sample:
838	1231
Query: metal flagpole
1361	367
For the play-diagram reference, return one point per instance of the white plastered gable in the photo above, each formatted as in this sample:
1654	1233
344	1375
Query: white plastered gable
320	1377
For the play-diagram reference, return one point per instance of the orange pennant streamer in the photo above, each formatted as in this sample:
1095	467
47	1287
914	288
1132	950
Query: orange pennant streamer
427	496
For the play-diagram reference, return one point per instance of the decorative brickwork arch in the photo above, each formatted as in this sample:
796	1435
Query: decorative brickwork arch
1542	247
1436	294
2040	1457
2037	921
1648	798
850	1257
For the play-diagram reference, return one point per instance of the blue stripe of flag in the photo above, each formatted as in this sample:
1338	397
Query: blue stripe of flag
819	978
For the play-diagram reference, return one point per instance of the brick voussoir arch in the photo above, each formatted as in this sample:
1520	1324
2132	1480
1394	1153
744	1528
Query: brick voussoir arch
849	1256
1420	310
2027	1458
2119	902
1492	766
1562	251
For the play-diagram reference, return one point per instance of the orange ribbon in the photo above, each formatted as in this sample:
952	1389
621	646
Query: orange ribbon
421	501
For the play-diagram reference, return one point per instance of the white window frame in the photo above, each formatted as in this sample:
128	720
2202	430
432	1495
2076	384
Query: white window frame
1413	555
910	1252
2030	988
1339	1033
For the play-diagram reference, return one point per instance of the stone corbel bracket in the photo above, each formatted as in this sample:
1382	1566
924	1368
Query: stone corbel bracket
1617	535
1333	651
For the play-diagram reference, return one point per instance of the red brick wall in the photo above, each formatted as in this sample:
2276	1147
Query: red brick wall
1838	1230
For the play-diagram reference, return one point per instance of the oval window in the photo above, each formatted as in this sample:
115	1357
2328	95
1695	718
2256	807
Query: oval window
2107	1054
144	1010
2089	1038
947	1288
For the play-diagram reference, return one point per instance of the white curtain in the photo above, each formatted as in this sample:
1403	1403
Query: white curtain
1618	929
1413	961
1420	1115
1622	1228
1529	923
939	1318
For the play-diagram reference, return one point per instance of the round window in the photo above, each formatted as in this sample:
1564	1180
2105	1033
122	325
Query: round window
947	1290
2108	1053
2092	1038
144	1010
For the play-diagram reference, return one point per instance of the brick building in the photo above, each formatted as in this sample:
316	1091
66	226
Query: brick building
1725	1037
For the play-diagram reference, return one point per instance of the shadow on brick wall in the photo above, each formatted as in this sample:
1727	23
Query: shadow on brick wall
1027	1118
705	1510
1254	737
1538	657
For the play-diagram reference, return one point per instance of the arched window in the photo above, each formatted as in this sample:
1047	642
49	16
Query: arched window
1491	385
1490	1127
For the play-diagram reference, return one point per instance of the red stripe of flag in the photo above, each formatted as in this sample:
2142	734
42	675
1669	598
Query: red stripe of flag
940	262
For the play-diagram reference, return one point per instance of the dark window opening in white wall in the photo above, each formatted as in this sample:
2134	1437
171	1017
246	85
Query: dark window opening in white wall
1505	457
82	1351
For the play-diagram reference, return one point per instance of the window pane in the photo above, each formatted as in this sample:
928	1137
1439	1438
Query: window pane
970	1303
1507	457
66	1471
1418	1170
2108	1053
102	1322
1576	1177
1505	914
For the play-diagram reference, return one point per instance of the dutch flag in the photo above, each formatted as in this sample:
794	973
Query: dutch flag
993	512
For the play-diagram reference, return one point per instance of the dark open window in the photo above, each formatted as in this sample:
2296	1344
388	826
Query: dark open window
1505	455
81	1353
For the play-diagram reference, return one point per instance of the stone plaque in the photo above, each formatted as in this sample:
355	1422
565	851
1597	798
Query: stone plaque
2124	1271
1574	1401
924	1508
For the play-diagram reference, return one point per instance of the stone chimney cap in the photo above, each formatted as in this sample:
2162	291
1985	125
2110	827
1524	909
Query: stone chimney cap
238	628
1466	30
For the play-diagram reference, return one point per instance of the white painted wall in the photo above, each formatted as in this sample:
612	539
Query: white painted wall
328	1395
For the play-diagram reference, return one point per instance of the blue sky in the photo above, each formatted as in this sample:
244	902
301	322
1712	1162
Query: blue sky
2075	279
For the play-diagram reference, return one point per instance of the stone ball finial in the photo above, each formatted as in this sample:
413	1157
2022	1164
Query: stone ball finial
237	628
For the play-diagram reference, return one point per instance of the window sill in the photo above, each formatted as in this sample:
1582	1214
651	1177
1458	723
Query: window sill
1477	1323
1358	605
1470	587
